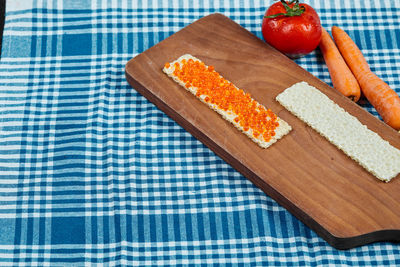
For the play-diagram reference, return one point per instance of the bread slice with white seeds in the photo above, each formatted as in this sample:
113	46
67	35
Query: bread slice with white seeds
342	129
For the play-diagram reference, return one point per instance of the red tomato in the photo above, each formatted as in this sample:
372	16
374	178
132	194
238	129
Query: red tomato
296	29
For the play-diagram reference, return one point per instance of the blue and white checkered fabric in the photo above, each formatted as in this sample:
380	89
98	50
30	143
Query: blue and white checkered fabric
91	173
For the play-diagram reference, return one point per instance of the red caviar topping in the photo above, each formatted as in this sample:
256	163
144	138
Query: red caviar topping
167	65
226	96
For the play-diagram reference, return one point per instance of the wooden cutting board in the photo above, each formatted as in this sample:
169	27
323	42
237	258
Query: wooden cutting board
303	172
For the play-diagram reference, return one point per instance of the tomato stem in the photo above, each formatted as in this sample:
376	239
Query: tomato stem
296	10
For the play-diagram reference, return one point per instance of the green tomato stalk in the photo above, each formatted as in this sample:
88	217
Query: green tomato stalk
296	10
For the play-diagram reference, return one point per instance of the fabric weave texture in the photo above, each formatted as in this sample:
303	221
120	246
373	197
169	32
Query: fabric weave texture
91	173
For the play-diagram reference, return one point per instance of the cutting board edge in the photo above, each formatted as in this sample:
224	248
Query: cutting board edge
335	241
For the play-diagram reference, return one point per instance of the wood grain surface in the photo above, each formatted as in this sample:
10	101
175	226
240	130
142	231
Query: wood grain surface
303	172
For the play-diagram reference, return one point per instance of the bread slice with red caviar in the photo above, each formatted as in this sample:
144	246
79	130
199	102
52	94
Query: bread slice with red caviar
256	121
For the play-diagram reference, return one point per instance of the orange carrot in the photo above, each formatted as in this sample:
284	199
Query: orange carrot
342	78
385	100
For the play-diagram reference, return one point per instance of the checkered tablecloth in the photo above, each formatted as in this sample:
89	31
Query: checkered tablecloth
91	173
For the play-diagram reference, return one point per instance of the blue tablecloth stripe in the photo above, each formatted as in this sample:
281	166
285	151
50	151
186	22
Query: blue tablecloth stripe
92	173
